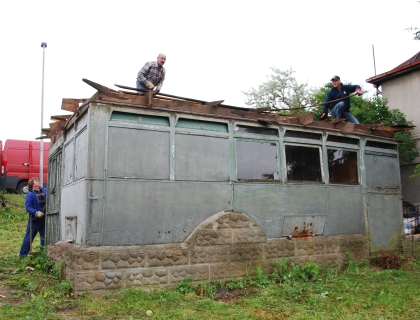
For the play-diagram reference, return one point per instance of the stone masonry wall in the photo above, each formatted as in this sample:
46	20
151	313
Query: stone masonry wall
227	245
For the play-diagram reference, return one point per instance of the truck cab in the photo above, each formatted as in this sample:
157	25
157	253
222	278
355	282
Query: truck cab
20	162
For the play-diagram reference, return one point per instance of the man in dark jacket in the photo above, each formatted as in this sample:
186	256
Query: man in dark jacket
35	203
340	109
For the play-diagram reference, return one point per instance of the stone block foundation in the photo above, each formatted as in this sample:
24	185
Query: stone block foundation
227	245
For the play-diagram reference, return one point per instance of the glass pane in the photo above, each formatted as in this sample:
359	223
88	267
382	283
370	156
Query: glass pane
202	125
257	130
303	163
302	135
343	140
256	160
215	126
163	121
342	166
376	144
124	116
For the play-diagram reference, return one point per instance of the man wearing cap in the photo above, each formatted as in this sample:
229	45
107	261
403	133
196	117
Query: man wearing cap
152	75
341	108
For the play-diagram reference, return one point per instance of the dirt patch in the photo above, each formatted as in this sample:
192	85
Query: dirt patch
229	296
7	296
393	260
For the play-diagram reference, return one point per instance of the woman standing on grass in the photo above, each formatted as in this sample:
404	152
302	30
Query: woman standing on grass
35	203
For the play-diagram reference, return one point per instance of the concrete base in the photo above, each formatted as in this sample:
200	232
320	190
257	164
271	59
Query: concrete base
227	245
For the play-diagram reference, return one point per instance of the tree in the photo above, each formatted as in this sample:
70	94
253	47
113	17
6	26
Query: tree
280	91
375	110
416	35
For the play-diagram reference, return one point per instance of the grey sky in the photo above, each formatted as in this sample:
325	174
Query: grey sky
215	49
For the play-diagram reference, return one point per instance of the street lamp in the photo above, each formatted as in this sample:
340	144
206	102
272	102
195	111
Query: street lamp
41	146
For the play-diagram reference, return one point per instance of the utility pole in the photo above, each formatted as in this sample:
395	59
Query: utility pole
41	146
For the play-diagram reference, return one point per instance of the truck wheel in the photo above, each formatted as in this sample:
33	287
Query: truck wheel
21	186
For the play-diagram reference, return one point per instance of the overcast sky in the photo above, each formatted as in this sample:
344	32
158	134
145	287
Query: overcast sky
215	49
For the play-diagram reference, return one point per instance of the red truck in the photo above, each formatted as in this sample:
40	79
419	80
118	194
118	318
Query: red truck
19	162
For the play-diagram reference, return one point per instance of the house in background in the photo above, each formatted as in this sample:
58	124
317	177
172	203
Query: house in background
400	86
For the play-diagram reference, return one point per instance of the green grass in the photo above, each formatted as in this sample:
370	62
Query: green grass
35	291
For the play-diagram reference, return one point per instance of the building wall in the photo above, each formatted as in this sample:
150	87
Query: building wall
134	177
150	198
403	93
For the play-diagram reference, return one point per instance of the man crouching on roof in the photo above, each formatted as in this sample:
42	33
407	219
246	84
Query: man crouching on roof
152	75
340	109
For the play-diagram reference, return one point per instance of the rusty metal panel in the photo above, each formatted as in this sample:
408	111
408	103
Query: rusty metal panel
135	153
303	226
97	128
94	212
54	182
53	228
385	221
73	204
70	229
201	158
80	166
381	170
267	204
345	211
68	159
147	212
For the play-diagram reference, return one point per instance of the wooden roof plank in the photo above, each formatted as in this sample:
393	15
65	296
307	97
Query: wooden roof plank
64	117
71	105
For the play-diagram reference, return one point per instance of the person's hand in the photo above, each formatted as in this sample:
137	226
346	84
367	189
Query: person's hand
150	85
158	88
359	92
323	116
39	214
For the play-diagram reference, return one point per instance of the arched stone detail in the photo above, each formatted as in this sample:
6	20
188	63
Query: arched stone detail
226	228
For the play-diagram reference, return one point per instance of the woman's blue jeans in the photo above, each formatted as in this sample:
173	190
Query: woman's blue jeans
338	113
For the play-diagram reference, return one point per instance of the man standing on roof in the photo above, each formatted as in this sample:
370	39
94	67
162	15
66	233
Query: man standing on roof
341	108
152	75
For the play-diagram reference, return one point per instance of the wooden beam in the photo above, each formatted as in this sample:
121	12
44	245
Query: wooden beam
392	129
165	95
305	118
64	117
57	126
71	105
346	127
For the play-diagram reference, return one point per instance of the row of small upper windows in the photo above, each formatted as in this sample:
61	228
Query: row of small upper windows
259	161
223	127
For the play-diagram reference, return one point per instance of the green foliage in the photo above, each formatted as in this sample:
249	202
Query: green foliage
416	172
375	110
309	271
258	278
280	91
236	284
185	286
207	289
285	270
352	266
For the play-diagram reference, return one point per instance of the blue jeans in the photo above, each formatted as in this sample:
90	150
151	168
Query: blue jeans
37	226
338	113
140	85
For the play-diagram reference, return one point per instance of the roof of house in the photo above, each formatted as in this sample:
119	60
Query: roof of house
160	102
408	66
